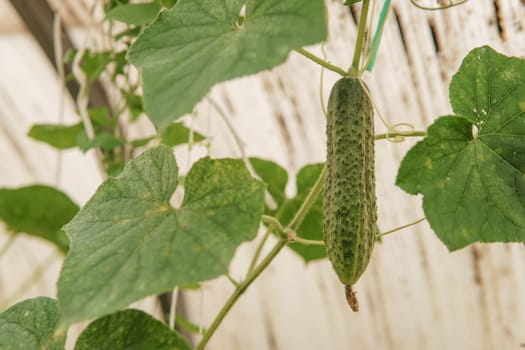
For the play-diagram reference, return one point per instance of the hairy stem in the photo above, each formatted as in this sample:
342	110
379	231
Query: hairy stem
321	62
252	275
239	291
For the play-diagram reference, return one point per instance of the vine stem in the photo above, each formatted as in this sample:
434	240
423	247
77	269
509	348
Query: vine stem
259	249
239	291
321	62
307	204
252	275
82	105
354	69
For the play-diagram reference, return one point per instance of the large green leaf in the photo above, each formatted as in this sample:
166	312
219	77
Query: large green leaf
311	228
130	330
198	43
31	325
470	168
129	242
37	210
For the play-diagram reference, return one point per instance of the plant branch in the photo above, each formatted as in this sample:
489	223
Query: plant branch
239	291
292	238
321	62
354	69
307	204
379	235
272	223
232	280
252	275
259	249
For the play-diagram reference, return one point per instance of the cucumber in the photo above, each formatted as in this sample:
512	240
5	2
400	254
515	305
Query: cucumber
349	203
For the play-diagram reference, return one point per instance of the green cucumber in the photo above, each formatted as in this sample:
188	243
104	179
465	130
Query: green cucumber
349	203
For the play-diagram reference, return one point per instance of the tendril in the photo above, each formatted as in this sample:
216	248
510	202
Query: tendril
398	133
440	6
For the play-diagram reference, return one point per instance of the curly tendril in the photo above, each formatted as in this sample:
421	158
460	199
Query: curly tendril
441	4
396	134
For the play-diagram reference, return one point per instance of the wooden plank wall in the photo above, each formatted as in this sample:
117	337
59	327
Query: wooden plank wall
415	294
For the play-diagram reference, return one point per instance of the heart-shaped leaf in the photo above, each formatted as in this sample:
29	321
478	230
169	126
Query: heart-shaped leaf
128	242
471	166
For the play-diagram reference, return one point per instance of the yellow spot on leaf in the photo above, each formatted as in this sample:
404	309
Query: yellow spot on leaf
428	164
522	106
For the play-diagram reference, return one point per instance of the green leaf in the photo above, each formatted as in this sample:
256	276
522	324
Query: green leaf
103	140
168	3
141	142
198	43
134	103
132	32
188	326
312	225
100	116
94	63
136	14
351	2
177	134
130	329
470	168
275	177
58	136
30	325
311	228
37	210
128	242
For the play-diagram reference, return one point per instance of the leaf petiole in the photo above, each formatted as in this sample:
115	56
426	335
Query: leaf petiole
232	280
239	291
292	238
321	62
379	235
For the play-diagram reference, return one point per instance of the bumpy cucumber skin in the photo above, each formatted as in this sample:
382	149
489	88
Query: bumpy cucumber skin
349	204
